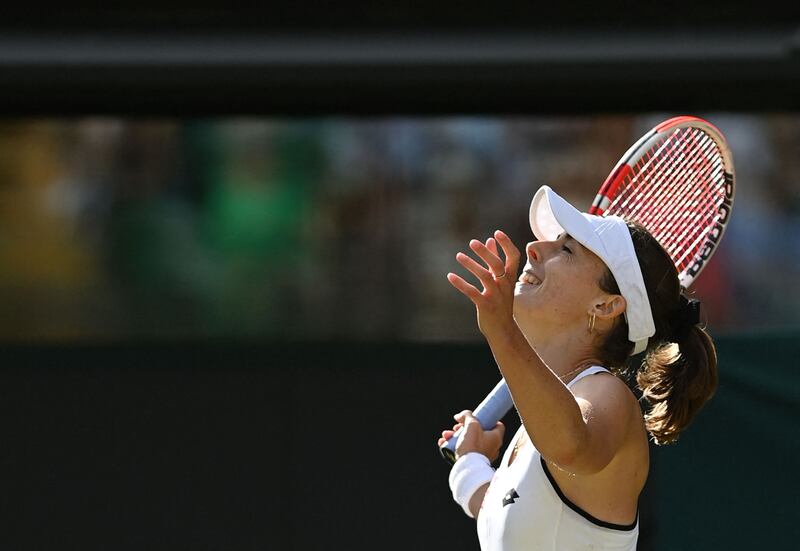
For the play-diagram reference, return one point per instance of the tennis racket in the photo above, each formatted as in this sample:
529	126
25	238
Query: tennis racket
678	182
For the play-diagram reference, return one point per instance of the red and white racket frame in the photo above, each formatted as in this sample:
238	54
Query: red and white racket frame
609	188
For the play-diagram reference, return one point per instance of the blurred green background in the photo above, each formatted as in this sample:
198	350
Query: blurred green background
729	482
327	227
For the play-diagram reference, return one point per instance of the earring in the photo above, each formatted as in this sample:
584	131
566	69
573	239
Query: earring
591	322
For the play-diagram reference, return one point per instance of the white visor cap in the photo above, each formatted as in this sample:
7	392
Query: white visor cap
607	237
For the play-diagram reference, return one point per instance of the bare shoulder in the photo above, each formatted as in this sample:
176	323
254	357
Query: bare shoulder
601	384
605	391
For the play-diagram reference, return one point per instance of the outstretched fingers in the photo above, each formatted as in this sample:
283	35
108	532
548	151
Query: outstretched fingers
491	244
493	275
491	258
510	250
467	289
484	275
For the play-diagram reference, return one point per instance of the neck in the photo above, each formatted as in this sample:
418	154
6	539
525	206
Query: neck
565	353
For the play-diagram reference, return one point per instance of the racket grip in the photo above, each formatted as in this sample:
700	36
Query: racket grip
493	408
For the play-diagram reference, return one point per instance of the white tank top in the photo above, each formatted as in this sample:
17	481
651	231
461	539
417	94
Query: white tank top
523	508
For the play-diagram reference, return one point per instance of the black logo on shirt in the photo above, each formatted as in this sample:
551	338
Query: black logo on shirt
510	496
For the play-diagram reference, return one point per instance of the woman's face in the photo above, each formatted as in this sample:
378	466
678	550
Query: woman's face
558	286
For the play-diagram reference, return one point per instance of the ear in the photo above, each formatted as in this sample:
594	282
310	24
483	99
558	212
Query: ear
609	307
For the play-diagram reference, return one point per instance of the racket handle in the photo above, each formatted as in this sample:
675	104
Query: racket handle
493	408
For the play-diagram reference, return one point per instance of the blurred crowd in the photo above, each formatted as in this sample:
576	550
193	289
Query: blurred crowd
333	227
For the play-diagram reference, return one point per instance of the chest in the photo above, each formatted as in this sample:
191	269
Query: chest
518	508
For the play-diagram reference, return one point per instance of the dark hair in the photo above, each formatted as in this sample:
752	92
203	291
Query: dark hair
679	371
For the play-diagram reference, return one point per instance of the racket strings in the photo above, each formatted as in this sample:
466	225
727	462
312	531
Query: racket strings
675	190
682	225
684	236
662	184
648	190
652	174
685	181
632	194
695	210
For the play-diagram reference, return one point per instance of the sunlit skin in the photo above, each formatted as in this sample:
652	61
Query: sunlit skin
537	328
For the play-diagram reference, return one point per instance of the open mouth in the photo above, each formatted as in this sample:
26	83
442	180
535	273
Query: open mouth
529	278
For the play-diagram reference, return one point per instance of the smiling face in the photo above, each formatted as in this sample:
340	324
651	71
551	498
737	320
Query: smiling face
558	288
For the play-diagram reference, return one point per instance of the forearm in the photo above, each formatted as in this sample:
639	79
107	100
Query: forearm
549	412
476	500
470	476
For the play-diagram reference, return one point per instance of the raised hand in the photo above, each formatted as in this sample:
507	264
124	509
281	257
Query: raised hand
495	302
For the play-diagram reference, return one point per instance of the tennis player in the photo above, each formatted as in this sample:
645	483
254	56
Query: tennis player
593	292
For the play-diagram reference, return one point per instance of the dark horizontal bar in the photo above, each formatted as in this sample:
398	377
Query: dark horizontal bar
161	73
369	14
194	49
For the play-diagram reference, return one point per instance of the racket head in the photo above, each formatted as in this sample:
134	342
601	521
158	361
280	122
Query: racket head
678	182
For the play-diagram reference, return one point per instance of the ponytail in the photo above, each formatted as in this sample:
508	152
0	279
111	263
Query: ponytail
679	371
676	379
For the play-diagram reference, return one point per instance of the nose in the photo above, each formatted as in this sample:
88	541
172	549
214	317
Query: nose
530	249
540	250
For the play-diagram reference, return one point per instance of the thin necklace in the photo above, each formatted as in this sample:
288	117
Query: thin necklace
566	375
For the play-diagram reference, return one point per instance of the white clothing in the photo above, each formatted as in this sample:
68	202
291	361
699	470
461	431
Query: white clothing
523	509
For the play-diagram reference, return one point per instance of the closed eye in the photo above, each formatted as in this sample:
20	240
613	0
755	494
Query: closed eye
565	248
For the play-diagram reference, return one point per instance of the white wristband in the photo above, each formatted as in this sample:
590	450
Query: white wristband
471	471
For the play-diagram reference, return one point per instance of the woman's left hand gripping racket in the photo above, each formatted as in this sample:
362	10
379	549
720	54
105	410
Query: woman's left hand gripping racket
678	182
